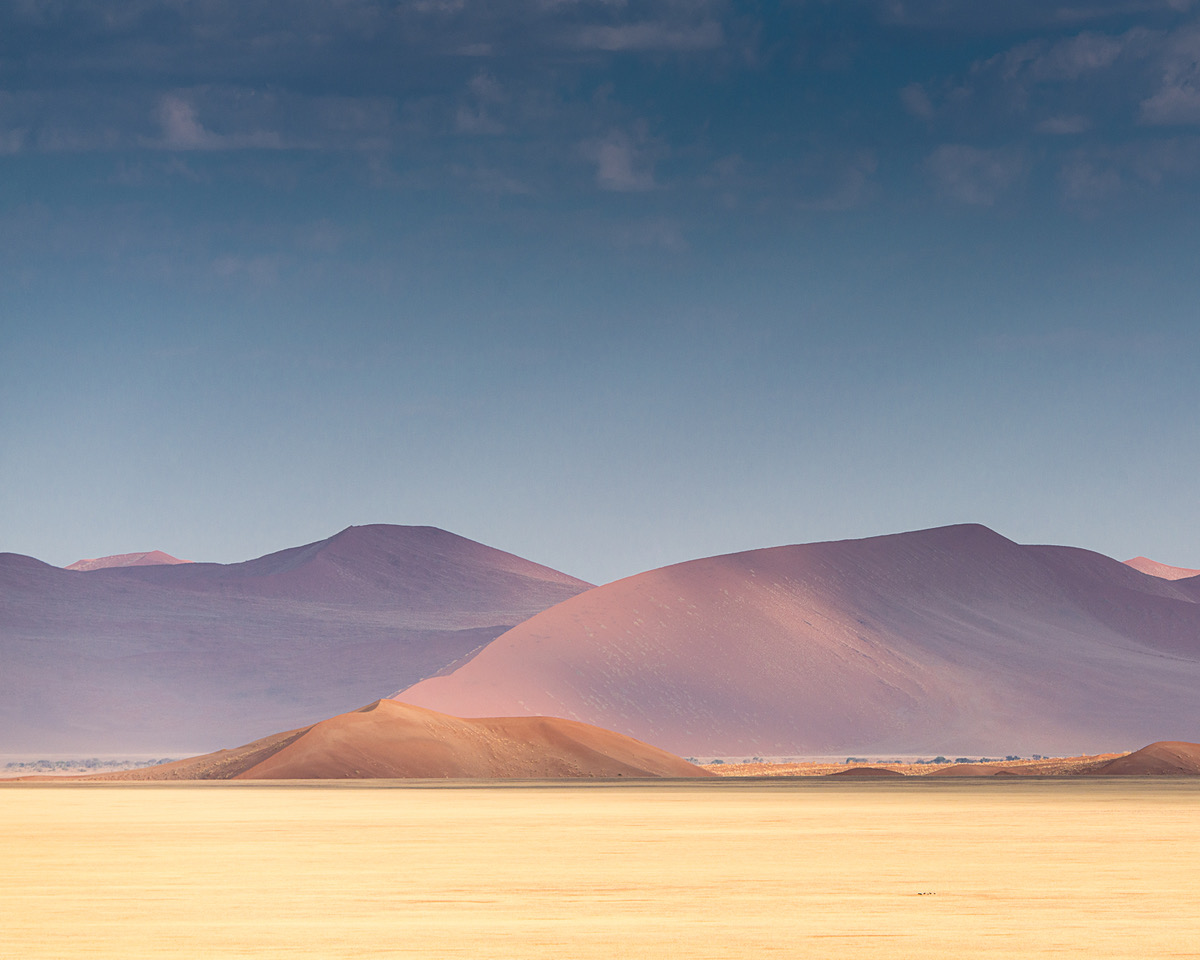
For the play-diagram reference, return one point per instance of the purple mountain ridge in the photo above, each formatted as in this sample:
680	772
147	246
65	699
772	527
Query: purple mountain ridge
186	657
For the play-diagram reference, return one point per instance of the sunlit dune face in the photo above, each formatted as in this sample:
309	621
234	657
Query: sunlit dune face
1161	570
151	559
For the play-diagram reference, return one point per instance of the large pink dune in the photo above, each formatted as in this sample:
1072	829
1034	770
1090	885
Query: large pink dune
175	658
948	640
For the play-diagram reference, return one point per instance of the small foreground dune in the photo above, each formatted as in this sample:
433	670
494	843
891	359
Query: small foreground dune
1165	758
388	739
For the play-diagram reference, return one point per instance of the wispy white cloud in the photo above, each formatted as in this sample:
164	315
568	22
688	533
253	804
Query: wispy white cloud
1092	176
1177	100
181	130
853	185
1064	125
976	176
623	163
11	141
916	101
651	35
491	180
476	114
659	232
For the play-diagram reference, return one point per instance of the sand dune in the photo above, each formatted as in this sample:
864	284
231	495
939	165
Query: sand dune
866	773
952	640
1161	570
151	559
1165	758
175	659
394	740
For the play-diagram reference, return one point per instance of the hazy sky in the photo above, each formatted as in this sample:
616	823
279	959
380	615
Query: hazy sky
606	284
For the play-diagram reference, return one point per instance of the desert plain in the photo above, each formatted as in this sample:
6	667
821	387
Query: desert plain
719	868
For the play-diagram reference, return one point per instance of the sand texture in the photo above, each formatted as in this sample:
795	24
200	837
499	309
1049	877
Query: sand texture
702	870
179	659
954	641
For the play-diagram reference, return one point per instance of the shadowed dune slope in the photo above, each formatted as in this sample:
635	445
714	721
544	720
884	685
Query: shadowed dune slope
180	658
153	558
1161	570
947	640
394	740
1165	758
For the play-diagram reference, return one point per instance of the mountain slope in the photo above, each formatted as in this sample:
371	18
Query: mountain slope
184	658
952	639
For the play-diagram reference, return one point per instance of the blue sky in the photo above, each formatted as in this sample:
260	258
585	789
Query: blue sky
607	284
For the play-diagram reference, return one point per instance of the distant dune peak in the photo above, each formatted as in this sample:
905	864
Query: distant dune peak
1161	570
153	558
424	551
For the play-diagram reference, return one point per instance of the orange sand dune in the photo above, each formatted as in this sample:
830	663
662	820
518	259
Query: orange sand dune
951	640
866	773
1165	758
1161	570
151	559
388	739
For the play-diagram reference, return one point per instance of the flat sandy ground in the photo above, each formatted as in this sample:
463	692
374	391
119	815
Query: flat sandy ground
720	869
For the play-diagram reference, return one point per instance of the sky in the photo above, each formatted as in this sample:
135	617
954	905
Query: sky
608	284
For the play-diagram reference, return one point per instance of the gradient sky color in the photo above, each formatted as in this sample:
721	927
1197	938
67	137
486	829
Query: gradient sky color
607	284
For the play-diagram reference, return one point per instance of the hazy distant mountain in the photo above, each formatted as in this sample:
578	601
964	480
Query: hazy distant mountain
190	657
1161	570
153	558
952	639
388	739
